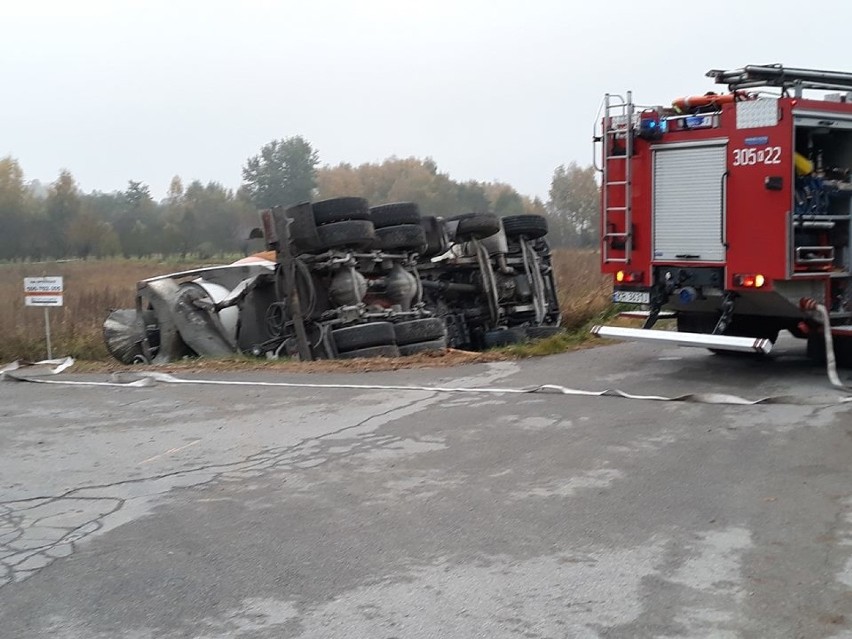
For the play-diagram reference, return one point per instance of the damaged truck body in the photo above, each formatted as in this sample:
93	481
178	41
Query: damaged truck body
343	280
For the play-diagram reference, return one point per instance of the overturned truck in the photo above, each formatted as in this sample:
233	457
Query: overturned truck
343	280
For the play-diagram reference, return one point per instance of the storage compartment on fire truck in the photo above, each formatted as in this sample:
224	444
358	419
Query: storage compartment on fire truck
822	206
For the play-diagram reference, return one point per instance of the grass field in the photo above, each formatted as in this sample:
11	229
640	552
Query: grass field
94	287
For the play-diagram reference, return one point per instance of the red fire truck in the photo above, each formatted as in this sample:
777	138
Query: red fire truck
731	211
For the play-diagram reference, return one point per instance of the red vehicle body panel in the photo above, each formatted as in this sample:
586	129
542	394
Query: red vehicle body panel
757	220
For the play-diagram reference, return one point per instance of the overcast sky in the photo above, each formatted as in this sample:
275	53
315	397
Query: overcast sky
491	90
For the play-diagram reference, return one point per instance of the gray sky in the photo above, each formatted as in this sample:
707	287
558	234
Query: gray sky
491	89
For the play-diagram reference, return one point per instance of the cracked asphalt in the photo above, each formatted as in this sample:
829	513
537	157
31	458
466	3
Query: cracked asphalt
258	512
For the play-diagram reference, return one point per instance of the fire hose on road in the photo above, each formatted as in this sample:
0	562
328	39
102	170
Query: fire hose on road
43	372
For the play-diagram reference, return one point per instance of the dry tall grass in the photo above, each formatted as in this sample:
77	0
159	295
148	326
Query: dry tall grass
583	292
94	287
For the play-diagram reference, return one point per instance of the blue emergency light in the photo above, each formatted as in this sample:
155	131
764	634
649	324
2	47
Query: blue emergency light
651	126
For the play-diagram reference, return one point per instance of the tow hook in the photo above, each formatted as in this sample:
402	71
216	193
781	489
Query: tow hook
659	296
728	302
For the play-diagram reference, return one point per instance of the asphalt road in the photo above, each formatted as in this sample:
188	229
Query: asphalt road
228	511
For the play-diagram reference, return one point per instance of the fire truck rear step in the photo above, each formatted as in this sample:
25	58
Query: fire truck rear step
699	340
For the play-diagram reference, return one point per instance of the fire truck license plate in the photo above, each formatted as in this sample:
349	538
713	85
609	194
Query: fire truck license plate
632	297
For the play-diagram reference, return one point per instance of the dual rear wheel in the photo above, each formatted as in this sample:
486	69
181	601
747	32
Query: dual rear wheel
388	339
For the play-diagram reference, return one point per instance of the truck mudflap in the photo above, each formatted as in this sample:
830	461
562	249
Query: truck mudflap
699	340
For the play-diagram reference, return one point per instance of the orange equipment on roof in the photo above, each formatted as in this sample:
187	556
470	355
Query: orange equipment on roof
706	100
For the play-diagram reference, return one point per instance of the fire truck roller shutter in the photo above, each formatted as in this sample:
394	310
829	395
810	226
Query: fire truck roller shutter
688	202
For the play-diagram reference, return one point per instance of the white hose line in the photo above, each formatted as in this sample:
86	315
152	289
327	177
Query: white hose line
149	378
830	361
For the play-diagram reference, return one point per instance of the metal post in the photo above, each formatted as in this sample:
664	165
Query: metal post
47	332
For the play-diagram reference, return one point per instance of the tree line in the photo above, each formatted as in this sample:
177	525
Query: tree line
203	220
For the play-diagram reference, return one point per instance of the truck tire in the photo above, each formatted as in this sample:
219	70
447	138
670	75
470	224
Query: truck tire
401	236
302	228
419	330
436	236
394	214
504	337
476	226
739	327
340	209
423	347
816	348
753	327
388	350
543	332
842	350
363	336
531	227
350	233
696	322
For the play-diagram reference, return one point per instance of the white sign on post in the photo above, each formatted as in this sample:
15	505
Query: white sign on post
43	291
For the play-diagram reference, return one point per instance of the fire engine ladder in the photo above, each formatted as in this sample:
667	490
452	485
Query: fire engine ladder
617	125
775	75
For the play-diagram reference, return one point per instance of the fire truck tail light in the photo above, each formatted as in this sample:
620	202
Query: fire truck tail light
629	277
749	281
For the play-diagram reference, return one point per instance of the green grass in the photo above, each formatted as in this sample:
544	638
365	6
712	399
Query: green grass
568	340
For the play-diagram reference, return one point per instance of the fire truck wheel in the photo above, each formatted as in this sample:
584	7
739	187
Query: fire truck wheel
423	347
739	327
351	233
340	209
531	227
401	236
842	350
816	348
475	226
363	336
395	213
388	350
419	330
771	335
436	236
696	322
753	327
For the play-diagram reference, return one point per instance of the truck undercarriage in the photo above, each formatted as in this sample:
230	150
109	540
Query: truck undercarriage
344	280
